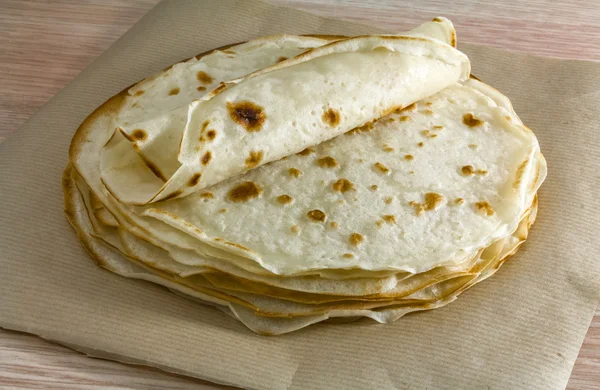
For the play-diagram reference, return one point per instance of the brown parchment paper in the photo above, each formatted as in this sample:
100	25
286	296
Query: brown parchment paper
520	329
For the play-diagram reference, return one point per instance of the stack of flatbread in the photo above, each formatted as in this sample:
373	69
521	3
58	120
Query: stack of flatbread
290	180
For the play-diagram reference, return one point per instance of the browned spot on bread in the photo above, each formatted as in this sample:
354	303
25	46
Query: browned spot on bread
361	129
207	195
285	199
467	170
211	134
139	93
519	174
150	164
379	223
206	158
382	168
417	206
195	179
331	117
347	255
334	225
405	118
202	137
420	144
282	58
223	210
391	120
229	52
471	121
218	239
387	148
327	162
508	118
173	91
367	127
388	200
374	187
139	135
295	172
316	216
409	157
219	89
428	104
428	134
204	77
481	172
432	201
389	219
244	192
410	107
356	239
305	152
484	208
459	201
201	88
154	169
295	229
472	146
427	112
343	185
438	127
392	109
247	114
173	195
254	159
411	172
437	20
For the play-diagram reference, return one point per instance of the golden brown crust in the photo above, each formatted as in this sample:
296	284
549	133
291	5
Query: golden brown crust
325	36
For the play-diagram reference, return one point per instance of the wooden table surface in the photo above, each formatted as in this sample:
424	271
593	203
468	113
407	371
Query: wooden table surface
44	44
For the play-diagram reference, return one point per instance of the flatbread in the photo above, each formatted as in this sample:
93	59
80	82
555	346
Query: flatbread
289	221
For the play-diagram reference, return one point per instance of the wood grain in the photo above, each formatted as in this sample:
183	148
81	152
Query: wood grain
44	44
30	362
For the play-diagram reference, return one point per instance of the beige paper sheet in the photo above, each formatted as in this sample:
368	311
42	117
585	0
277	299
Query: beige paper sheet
520	329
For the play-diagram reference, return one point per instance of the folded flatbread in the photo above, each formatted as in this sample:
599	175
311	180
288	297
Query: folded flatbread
273	112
